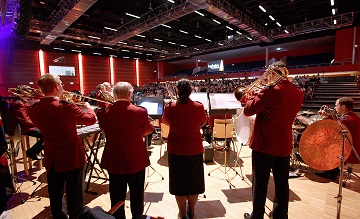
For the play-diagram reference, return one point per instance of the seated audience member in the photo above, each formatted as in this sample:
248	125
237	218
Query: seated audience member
18	114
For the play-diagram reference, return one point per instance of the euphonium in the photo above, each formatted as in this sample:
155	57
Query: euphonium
272	75
26	91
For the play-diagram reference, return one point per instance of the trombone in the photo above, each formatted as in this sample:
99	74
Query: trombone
66	95
25	91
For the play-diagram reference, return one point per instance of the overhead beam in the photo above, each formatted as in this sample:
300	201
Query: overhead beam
161	15
231	14
69	11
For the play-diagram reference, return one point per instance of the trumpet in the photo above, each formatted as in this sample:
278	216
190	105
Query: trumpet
26	91
272	75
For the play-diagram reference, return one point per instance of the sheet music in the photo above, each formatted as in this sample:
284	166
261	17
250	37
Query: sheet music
150	107
200	97
224	101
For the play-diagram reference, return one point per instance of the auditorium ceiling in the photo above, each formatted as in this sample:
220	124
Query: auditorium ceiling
162	30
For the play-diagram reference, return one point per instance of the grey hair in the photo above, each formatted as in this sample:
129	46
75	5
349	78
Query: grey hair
122	90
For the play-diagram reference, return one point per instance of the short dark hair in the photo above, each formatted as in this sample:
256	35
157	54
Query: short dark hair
348	102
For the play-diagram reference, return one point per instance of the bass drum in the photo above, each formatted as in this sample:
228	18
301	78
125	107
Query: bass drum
244	126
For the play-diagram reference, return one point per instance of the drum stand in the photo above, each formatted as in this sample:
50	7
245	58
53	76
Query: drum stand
15	179
227	168
345	137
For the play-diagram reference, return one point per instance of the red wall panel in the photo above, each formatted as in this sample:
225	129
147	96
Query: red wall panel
147	72
96	70
21	68
343	44
124	70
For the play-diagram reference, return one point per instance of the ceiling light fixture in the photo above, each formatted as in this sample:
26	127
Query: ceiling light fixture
220	44
86	44
67	41
286	31
139	46
107	47
131	15
122	42
333	11
249	38
149	54
196	49
199	13
198	36
229	28
109	28
139	35
172	43
126	57
158	39
165	25
216	21
262	8
113	56
183	32
125	50
271	17
183	45
208	40
96	53
277	23
57	48
335	22
74	50
238	32
171	1
138	53
332	2
94	37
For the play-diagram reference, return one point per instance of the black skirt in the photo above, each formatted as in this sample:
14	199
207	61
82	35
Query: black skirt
186	175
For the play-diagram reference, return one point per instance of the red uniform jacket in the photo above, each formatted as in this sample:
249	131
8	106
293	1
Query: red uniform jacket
124	125
57	122
184	121
352	122
276	108
18	113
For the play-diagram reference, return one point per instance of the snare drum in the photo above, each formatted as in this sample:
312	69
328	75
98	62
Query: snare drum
244	126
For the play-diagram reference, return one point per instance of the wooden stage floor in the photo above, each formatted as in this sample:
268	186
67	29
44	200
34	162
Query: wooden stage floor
310	195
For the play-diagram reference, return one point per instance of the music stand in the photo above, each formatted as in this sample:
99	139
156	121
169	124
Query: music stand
225	104
342	161
155	108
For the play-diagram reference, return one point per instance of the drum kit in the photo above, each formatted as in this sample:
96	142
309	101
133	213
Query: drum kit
317	142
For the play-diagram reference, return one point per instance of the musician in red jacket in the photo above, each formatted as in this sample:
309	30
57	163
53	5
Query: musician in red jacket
64	155
125	156
18	114
276	107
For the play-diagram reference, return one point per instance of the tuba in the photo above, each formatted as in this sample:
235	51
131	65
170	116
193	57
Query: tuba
272	75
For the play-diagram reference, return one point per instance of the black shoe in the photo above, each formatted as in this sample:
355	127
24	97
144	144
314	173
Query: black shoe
327	175
247	216
33	156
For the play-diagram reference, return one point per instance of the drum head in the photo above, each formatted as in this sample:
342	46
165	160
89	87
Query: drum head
244	126
321	145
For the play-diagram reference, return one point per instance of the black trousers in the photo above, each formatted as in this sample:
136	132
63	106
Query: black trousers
73	180
118	187
38	146
262	164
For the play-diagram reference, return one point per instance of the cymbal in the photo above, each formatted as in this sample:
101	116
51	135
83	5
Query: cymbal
321	145
308	112
298	127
